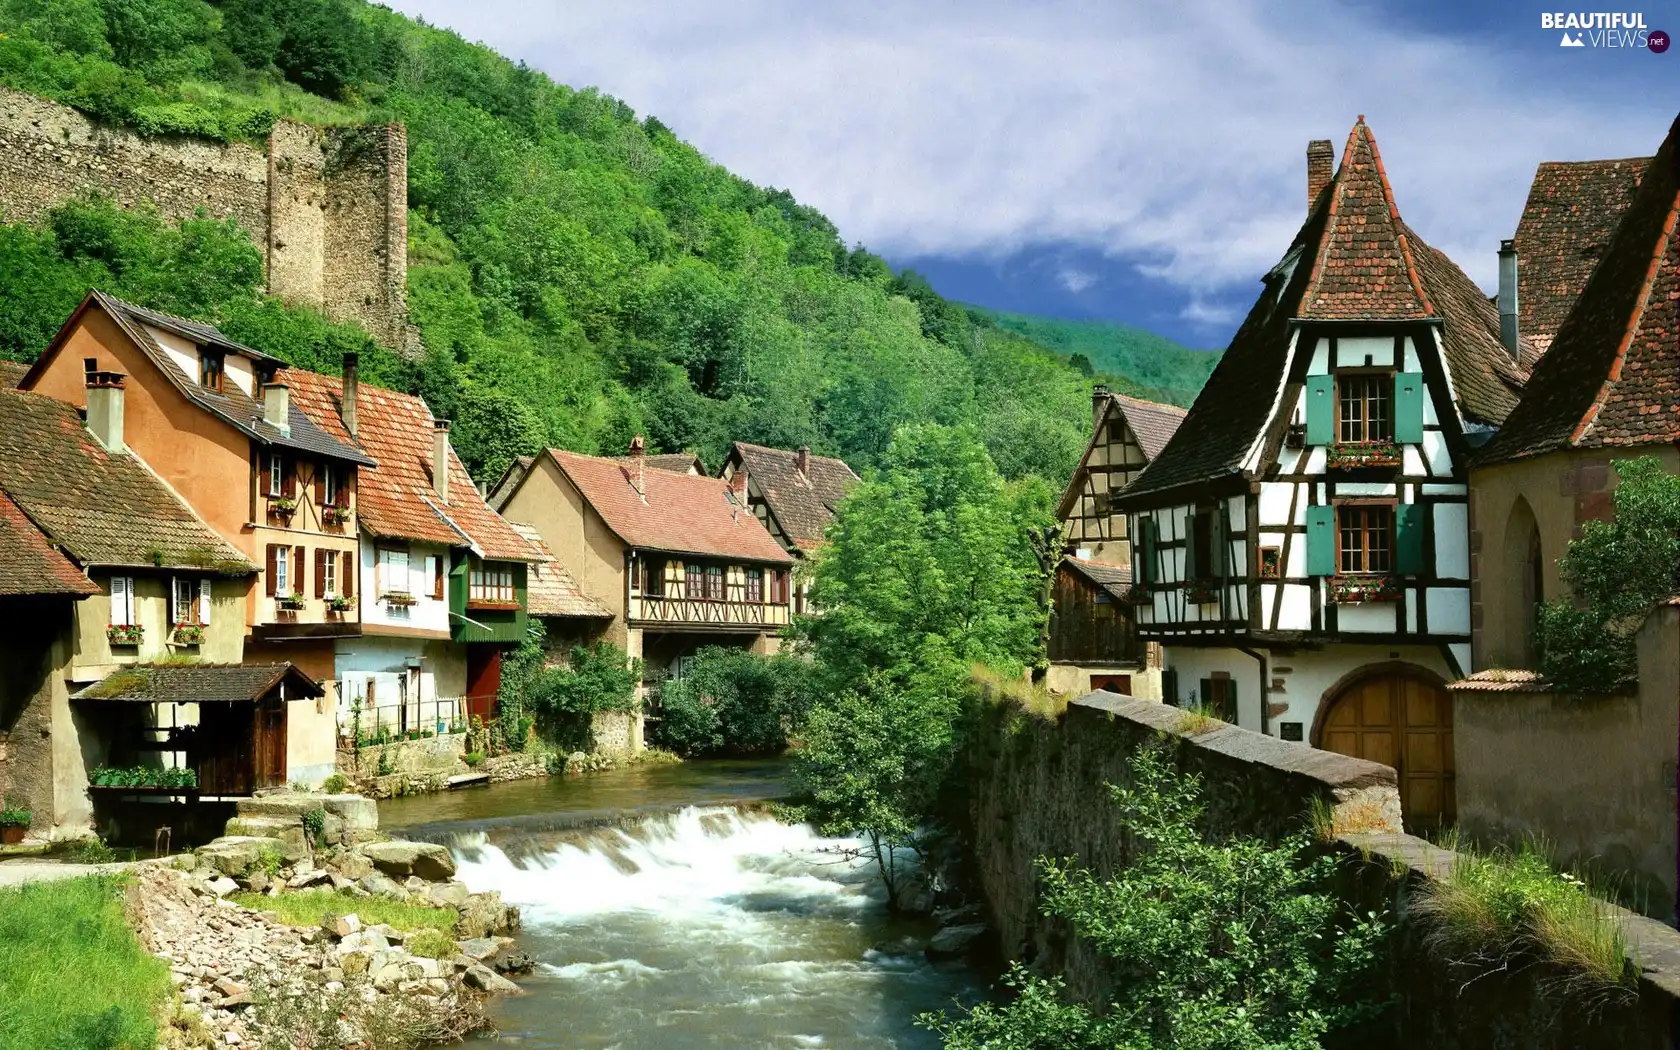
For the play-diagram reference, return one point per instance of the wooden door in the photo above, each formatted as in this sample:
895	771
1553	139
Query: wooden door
271	743
1406	723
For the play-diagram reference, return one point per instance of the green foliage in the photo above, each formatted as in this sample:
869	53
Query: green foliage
143	776
731	701
94	850
73	976
15	813
315	825
1233	944
385	767
269	861
335	784
1616	573
1131	360
565	700
473	759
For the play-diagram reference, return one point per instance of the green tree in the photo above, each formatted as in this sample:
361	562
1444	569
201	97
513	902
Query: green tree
731	701
1233	944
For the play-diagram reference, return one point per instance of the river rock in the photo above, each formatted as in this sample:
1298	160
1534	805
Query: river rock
914	895
448	894
303	881
380	885
234	855
488	981
485	914
963	916
899	948
353	865
428	860
515	963
342	926
256	881
223	886
479	949
955	941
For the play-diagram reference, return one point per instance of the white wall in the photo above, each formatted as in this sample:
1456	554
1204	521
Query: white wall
427	614
384	661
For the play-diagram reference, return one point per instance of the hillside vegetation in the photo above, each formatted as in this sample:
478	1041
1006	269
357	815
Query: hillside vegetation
578	275
1160	368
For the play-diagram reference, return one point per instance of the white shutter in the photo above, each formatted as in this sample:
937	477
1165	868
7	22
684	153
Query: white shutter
204	602
122	601
175	609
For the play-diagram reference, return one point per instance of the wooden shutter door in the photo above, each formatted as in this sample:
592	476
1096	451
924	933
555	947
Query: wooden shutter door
1146	559
1191	568
1410	522
273	558
1321	410
320	484
288	478
1409	392
298	562
347	575
437	577
1321	541
204	595
1169	685
321	557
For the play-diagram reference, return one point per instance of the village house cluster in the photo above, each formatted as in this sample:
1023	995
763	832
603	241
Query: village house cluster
220	574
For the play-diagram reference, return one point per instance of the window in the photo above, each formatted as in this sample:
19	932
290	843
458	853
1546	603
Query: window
492	583
714	582
122	601
210	369
755	585
694	581
327	490
438	572
1366	407
276	474
183	600
326	573
1367	538
393	570
653	578
280	576
1201	543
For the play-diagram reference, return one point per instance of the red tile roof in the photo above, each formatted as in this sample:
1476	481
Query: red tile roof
1152	423
12	373
29	564
801	502
1501	680
1612	376
681	462
550	590
396	498
676	513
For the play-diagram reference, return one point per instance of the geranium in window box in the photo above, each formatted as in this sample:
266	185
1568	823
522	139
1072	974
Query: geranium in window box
1203	591
338	603
332	514
290	602
283	506
187	634
1136	594
124	633
398	599
1356	590
1347	455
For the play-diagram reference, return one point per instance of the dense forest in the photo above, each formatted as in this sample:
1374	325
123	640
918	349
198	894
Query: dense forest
577	274
1152	366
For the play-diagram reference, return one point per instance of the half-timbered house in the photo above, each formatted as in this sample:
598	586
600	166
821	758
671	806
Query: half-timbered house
1302	548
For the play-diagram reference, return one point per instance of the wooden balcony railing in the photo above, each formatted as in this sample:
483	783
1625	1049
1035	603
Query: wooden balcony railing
704	611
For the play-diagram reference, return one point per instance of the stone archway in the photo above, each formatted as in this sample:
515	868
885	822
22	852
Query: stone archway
1400	715
1521	583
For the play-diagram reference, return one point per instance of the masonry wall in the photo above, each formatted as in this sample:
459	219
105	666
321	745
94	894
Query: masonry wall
1038	790
327	207
44	752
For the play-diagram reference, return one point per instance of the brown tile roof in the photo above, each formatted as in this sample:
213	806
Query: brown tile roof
1572	211
12	373
1112	577
550	590
1235	405
681	513
505	486
100	508
1501	680
1612	376
29	564
1152	423
200	683
396	498
802	503
681	462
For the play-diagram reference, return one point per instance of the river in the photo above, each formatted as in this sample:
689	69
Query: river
666	910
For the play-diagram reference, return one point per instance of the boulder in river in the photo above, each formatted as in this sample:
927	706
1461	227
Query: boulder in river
913	895
428	860
515	963
953	942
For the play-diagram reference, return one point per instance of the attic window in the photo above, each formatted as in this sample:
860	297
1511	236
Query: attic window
210	369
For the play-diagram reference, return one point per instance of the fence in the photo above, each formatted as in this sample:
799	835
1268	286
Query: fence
410	719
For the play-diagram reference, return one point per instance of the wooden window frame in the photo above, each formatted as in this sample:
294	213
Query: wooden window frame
653	577
379	570
123	616
283	587
326	484
483	592
1381	381
327	562
274	475
179	601
212	369
720	575
755	585
1362	505
694	581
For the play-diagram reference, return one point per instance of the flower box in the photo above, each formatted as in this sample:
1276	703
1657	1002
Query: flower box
398	599
335	515
290	602
1348	455
339	603
283	506
187	634
1203	592
1356	590
124	633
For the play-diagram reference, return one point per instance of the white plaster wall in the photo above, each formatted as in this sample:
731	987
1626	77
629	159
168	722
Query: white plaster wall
1274	502
384	661
1352	351
1452	541
183	352
1308	675
427	614
1194	664
1449	610
1367	617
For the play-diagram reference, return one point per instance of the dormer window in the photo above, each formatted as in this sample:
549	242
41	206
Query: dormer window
210	369
1366	407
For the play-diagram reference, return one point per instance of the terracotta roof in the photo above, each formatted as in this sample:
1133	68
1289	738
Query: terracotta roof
1345	281
200	683
1502	680
1572	211
681	462
1152	423
1112	577
100	508
679	513
29	564
396	498
12	373
1612	375
550	590
802	503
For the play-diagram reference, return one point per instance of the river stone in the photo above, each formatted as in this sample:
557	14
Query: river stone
223	886
308	879
428	860
914	896
515	963
480	948
378	885
353	865
448	894
488	981
371	939
955	941
342	926
234	855
485	914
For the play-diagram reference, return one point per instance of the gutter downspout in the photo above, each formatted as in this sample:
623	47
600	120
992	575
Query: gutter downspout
1265	701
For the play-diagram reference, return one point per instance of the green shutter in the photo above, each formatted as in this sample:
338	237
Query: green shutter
1169	686
1204	699
1321	541
1220	542
1409	392
1190	566
1321	410
1410	521
1228	710
1146	551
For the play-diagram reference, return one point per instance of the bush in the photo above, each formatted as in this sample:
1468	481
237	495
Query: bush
730	701
335	784
565	700
473	759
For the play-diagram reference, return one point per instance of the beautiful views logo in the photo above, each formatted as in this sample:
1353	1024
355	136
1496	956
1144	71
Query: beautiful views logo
1620	29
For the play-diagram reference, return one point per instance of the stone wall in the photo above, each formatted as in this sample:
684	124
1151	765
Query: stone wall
1039	791
440	754
328	207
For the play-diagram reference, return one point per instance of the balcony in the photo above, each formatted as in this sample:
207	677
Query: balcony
706	614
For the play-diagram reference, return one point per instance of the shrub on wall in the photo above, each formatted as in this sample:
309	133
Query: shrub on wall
565	700
730	701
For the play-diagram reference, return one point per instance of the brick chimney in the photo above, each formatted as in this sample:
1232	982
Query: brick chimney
738	484
638	465
277	407
1099	401
1321	164
352	389
801	460
440	458
105	409
1508	331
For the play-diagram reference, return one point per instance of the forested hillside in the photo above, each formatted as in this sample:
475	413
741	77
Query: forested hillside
577	274
1172	371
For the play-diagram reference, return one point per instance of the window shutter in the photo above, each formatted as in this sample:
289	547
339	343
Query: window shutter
437	577
1169	685
1146	551
176	613
347	577
1230	705
298	562
204	594
321	557
1321	541
1204	698
273	557
1321	410
320	484
1191	569
1410	521
288	478
1217	542
119	601
1409	392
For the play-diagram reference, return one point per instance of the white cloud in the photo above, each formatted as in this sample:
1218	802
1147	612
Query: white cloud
1173	134
1075	281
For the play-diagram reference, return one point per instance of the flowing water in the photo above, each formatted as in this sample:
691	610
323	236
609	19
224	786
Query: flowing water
666	910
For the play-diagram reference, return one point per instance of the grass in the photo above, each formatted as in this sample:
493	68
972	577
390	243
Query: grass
1034	699
1198	720
432	944
1508	909
308	907
72	972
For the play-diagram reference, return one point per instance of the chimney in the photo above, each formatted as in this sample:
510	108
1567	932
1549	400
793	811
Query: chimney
352	388
105	409
1508	333
277	407
1321	163
440	458
801	459
638	457
738	484
1099	401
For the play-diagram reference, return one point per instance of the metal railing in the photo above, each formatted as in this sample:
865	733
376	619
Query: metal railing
403	720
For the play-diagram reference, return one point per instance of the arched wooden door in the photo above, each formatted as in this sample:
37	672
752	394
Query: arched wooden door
1404	722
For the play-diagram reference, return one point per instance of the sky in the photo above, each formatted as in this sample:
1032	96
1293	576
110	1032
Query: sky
1140	162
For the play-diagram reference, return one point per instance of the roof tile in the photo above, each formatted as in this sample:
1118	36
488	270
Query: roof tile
200	683
802	502
29	564
1572	211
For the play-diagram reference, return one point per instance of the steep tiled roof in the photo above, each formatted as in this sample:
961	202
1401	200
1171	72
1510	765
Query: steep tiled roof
1110	576
802	503
396	498
681	462
200	683
1153	425
1316	280
680	513
550	590
1612	375
12	373
102	509
1572	211
28	562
